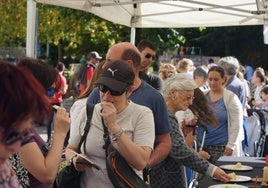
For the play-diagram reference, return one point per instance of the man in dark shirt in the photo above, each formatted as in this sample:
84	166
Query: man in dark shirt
148	53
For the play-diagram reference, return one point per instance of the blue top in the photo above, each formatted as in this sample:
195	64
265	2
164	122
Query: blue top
145	95
219	134
249	72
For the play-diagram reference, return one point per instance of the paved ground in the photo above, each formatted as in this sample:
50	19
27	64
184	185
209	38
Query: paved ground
42	131
67	103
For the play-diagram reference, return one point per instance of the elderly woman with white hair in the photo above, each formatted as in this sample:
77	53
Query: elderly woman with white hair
178	92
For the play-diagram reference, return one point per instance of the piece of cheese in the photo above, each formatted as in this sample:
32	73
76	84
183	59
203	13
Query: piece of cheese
237	166
232	176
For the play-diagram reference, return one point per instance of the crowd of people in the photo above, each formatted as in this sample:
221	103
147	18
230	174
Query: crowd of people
152	119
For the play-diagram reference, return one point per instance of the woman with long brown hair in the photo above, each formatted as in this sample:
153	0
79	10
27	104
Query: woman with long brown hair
81	100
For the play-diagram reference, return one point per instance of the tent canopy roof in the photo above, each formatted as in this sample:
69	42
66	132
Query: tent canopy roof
173	13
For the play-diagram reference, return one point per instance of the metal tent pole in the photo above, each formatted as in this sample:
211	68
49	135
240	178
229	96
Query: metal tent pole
31	24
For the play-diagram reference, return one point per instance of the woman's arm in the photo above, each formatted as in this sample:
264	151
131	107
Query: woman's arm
182	154
136	155
43	168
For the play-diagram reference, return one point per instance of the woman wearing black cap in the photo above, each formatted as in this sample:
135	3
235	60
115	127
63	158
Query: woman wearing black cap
130	127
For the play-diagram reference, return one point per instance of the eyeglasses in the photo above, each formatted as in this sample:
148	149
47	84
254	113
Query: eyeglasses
15	136
104	89
148	56
188	97
51	91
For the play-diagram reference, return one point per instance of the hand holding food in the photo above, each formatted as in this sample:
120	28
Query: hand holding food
220	175
232	176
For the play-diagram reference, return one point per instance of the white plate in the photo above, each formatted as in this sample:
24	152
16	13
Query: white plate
232	167
239	178
227	186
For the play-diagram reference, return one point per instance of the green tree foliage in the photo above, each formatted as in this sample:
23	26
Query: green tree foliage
12	23
244	42
165	39
77	32
67	31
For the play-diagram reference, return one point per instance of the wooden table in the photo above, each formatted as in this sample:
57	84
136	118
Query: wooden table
256	163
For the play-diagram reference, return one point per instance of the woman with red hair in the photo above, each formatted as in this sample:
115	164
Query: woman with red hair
41	172
22	101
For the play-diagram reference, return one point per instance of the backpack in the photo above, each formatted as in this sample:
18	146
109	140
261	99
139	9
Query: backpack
82	74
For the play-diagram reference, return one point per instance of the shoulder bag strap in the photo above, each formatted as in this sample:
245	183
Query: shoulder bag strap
90	108
106	137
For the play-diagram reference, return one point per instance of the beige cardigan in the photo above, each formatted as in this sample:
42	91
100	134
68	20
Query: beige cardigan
235	122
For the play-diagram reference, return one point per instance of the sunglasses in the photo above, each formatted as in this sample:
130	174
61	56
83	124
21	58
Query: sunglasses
148	56
15	136
104	89
51	91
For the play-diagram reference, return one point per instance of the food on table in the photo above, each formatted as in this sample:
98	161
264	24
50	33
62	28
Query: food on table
232	176
238	166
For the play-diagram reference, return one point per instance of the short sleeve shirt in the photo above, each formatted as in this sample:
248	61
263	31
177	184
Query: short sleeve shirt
135	120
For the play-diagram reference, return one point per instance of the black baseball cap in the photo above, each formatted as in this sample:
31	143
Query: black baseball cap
117	75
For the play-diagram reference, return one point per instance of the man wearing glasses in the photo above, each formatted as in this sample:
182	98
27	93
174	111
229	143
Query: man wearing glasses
148	53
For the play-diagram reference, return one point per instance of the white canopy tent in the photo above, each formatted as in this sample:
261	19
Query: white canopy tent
171	13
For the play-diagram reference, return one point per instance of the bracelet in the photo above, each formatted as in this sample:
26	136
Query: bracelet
116	136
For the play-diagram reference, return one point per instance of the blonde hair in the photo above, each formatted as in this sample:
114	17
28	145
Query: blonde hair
183	65
167	70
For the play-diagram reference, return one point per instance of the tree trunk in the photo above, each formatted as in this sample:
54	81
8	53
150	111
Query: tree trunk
60	51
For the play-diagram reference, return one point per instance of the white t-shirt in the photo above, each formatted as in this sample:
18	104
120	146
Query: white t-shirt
76	109
138	125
